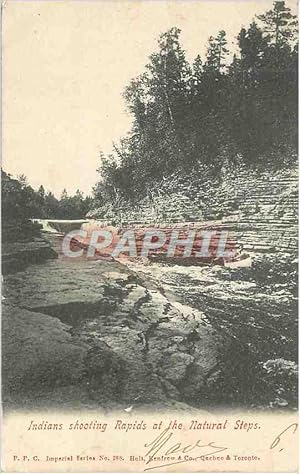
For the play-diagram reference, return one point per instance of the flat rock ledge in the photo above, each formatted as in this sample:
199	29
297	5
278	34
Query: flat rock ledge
17	256
93	335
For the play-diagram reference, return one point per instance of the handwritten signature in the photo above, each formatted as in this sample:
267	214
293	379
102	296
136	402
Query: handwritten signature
162	447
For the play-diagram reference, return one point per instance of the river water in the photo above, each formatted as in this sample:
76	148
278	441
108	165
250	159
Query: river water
140	334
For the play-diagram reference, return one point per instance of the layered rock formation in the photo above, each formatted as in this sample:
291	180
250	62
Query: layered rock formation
259	207
17	256
23	244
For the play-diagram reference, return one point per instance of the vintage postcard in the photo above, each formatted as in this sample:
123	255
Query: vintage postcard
149	236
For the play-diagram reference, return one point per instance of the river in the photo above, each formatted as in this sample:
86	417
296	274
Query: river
138	335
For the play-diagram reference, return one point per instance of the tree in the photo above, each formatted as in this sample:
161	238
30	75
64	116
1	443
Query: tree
280	29
160	101
64	195
51	206
217	52
22	180
280	26
253	47
41	191
197	71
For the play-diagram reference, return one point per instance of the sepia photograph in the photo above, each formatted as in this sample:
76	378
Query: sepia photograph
149	218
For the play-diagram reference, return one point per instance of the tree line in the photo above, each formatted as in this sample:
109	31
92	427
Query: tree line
224	107
227	107
20	201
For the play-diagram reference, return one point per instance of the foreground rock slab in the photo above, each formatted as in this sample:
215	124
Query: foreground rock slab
93	334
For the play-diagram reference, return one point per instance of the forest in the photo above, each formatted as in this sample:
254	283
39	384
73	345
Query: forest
227	107
20	200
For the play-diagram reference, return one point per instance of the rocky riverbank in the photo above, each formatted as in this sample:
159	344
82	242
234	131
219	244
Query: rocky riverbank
105	334
16	256
94	334
99	334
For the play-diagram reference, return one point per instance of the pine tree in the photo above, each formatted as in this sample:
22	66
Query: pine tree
197	71
253	47
64	195
280	29
41	192
160	101
216	54
280	25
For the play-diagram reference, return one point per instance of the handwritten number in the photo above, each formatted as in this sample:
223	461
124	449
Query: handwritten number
278	438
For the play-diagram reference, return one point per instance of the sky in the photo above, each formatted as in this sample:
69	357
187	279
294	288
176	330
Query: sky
66	64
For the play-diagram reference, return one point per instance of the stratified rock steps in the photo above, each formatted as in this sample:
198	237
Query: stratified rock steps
260	207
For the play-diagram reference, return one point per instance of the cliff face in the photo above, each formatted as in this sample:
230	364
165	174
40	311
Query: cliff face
260	208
